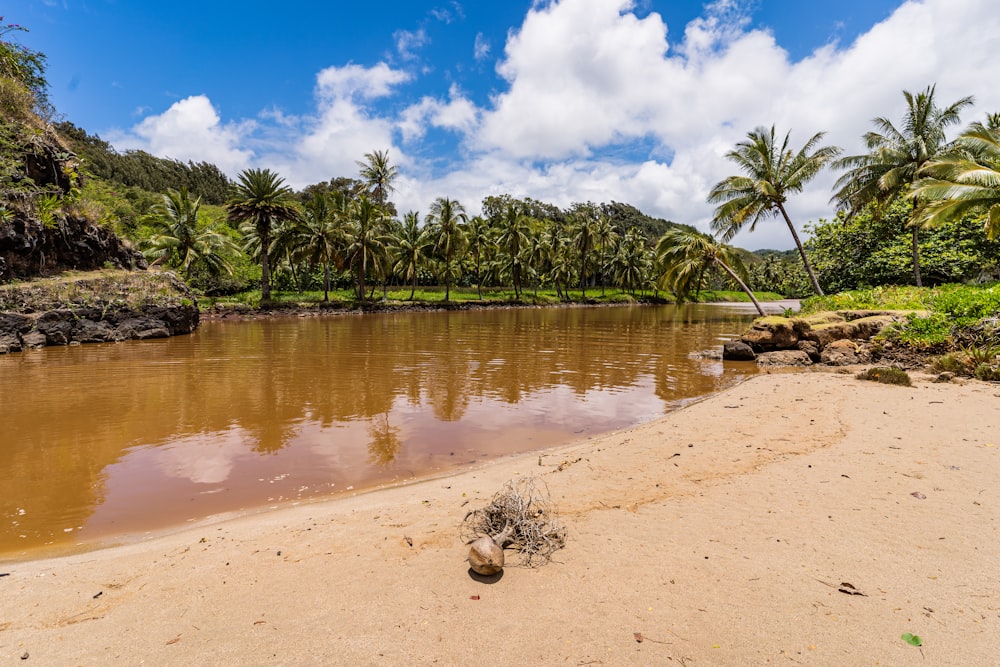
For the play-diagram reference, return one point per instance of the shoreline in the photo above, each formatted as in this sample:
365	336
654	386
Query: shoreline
717	534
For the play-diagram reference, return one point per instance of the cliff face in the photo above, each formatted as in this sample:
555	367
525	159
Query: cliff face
39	242
28	248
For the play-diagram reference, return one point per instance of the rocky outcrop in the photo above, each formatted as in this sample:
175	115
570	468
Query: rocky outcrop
30	249
105	309
832	338
93	325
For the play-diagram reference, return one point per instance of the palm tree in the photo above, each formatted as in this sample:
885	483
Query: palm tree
631	262
683	255
604	238
479	235
261	200
964	180
317	237
512	240
178	237
410	246
447	218
894	159
366	240
585	230
378	174
771	174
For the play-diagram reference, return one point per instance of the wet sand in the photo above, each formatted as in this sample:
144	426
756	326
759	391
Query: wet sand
725	533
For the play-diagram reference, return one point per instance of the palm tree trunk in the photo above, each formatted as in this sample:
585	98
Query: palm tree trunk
802	252
743	286
413	287
326	282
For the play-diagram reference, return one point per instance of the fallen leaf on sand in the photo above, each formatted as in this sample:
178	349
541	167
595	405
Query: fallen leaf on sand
174	640
918	495
849	589
473	597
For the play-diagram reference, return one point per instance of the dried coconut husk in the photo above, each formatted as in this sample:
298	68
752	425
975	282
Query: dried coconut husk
520	516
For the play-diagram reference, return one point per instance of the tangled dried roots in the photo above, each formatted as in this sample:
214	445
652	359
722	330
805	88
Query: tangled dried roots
523	508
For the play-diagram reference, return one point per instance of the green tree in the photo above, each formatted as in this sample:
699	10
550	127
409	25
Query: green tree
875	248
894	159
410	249
965	180
316	237
446	220
771	173
604	238
262	201
24	66
180	238
366	239
585	223
683	256
512	240
480	238
631	263
378	173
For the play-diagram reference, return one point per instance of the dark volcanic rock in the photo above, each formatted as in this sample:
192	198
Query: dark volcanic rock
30	249
735	350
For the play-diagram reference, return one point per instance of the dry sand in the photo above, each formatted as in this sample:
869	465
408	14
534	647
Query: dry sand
719	534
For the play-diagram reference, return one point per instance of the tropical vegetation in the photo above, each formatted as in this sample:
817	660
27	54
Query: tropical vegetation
342	238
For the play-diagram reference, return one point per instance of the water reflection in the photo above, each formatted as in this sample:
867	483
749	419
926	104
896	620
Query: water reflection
133	436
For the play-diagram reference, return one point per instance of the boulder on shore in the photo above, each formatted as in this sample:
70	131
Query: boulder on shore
736	350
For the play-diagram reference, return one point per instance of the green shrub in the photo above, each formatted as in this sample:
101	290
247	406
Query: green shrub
886	375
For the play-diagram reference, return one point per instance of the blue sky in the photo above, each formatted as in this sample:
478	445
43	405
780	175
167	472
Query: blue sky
560	100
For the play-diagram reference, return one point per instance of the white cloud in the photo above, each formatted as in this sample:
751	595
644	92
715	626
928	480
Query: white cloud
481	48
408	41
596	103
357	82
190	130
458	114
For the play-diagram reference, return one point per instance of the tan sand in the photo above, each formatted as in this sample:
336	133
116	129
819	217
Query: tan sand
719	534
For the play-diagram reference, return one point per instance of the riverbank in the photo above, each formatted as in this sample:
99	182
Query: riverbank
94	307
725	533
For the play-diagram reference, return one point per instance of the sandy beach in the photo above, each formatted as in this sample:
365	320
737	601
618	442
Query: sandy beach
798	518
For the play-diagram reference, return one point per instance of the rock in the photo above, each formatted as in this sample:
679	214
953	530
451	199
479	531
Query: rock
736	350
872	325
88	331
810	347
14	323
804	324
9	343
142	328
784	358
771	333
34	339
57	325
841	353
824	334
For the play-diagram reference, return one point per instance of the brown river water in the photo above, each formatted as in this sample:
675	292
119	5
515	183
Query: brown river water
122	439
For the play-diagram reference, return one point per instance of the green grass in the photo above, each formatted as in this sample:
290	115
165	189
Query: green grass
345	298
109	287
950	309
